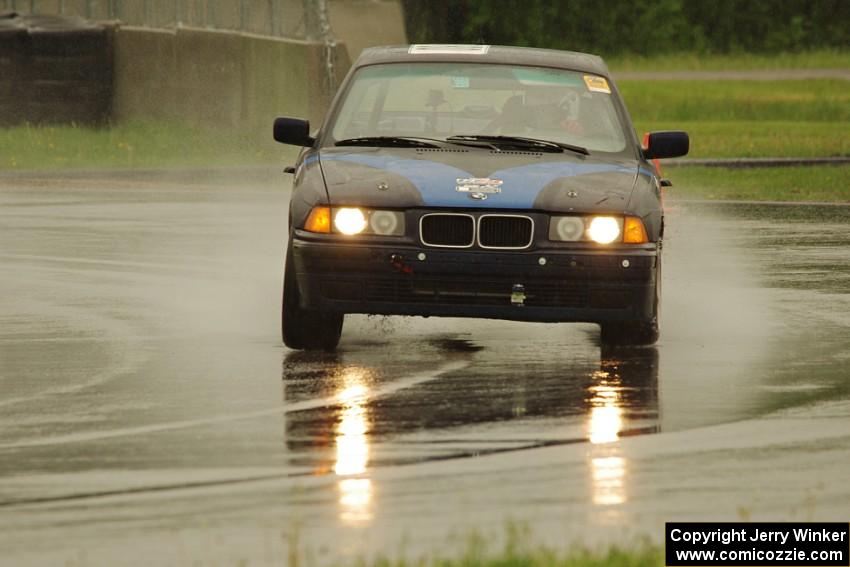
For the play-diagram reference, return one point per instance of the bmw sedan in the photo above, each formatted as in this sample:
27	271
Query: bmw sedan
475	181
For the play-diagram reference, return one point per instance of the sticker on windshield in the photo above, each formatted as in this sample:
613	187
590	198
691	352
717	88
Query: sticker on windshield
460	82
597	84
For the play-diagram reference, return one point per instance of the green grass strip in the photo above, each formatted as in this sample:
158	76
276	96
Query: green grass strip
614	557
132	145
821	100
754	138
814	183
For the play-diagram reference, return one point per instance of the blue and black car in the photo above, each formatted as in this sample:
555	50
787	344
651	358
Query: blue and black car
475	181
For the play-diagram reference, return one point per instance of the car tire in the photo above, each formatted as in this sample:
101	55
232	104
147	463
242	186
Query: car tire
636	333
304	329
630	333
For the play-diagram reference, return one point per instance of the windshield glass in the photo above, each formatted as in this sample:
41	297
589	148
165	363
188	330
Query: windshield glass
438	100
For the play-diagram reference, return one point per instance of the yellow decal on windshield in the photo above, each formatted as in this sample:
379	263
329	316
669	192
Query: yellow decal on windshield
597	84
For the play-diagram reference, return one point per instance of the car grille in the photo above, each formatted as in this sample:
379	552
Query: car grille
505	231
447	230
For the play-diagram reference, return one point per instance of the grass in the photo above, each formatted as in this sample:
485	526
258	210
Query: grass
520	550
754	138
648	557
814	183
822	100
816	59
132	145
747	118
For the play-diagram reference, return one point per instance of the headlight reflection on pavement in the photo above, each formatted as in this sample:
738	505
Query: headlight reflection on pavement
352	448
605	421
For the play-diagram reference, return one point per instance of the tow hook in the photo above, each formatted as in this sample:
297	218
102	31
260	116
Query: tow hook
397	261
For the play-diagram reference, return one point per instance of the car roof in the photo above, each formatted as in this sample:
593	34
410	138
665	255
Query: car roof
495	54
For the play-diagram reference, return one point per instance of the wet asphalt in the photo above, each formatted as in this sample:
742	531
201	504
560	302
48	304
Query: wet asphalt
150	415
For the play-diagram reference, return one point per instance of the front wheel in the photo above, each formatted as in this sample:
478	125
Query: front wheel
624	333
304	329
636	333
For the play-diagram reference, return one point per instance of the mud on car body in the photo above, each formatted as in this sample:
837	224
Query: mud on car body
475	181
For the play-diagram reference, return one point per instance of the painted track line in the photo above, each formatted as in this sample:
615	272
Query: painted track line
401	384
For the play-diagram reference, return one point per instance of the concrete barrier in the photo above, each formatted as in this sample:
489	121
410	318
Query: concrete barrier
145	67
366	23
222	79
209	77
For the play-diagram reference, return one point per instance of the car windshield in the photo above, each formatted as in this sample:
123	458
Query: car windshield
440	100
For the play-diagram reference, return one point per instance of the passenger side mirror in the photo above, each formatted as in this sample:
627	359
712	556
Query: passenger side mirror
668	144
293	131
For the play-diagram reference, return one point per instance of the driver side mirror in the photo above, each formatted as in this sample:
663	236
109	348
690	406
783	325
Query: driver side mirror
669	144
293	131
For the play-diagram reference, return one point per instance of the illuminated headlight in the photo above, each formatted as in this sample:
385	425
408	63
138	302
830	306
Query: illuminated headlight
604	230
354	220
599	229
349	221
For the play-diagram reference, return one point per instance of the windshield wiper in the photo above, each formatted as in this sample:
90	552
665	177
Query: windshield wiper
543	145
397	141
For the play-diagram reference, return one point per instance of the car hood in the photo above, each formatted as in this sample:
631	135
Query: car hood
429	178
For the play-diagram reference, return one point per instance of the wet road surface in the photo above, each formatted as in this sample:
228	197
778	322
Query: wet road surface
150	415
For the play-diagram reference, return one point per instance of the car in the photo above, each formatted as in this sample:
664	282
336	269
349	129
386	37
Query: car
475	181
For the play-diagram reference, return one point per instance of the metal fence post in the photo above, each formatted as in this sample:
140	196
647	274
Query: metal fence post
274	17
271	17
211	16
243	15
312	28
318	27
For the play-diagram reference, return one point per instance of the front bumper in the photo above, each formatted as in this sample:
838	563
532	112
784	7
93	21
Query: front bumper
582	285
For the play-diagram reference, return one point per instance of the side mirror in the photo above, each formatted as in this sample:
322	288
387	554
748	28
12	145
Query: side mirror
293	131
666	144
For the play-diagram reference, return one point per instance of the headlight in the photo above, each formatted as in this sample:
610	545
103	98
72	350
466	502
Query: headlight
568	229
600	229
386	223
349	221
604	230
354	220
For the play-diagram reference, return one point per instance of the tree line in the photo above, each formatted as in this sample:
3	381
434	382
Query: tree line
642	27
